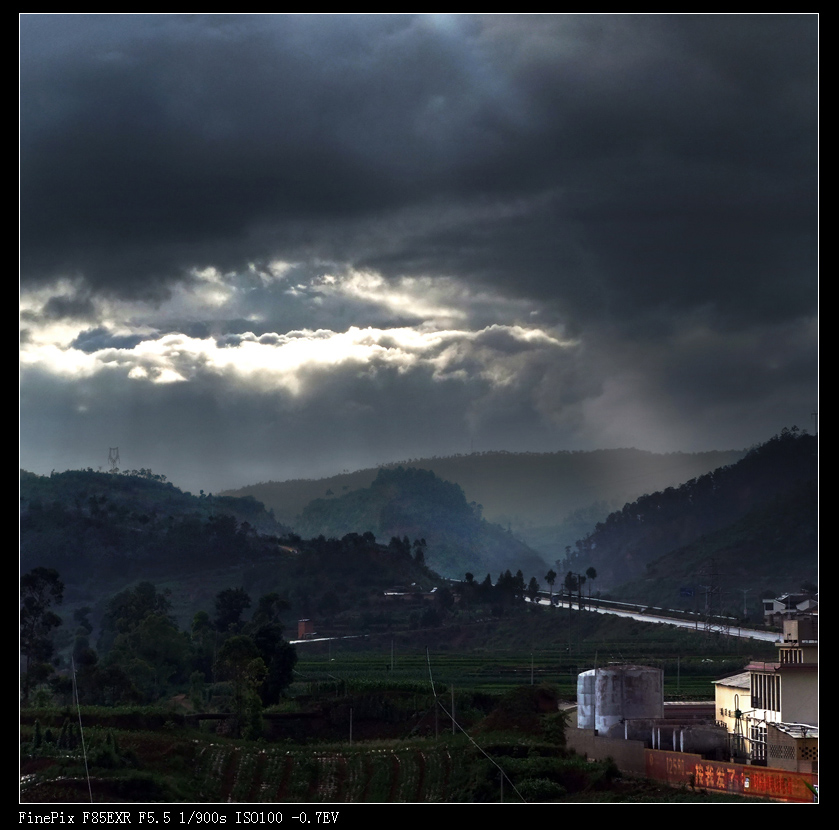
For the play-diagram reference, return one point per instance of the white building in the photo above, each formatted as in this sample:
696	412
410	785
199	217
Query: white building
774	705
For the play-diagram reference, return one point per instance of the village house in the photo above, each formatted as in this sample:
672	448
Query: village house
771	711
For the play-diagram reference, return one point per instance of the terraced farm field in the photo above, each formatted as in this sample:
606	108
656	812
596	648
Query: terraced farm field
407	773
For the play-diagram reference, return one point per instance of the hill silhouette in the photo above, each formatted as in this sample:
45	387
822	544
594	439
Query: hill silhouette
772	549
416	503
94	527
773	486
549	500
103	533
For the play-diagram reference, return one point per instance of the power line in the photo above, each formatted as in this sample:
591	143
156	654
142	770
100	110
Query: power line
471	739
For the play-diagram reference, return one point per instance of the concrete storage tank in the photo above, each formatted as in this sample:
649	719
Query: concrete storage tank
618	693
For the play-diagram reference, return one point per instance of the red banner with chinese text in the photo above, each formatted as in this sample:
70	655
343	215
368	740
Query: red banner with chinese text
761	782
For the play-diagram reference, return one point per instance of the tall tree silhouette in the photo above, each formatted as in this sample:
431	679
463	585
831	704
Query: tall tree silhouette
39	590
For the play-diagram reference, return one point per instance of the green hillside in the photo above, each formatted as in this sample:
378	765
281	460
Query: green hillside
771	550
416	503
99	529
757	517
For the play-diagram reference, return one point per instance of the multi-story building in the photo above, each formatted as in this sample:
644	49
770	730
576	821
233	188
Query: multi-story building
788	606
779	707
732	696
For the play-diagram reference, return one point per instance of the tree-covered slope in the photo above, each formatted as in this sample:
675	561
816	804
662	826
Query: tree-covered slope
655	525
771	549
97	526
105	533
416	503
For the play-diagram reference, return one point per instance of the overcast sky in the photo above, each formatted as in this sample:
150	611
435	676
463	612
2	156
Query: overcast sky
267	247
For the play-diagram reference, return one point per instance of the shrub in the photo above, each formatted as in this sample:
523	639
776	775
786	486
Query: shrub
541	789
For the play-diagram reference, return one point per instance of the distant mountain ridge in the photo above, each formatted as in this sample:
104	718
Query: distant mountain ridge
520	489
757	518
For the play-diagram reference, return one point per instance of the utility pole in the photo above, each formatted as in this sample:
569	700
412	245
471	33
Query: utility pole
569	629
713	600
745	609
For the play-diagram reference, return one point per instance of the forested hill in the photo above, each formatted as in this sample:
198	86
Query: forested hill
94	526
772	549
416	503
781	472
105	533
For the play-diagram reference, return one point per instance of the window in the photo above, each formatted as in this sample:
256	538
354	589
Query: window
766	692
757	735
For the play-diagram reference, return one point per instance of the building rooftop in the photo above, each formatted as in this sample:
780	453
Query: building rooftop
741	681
798	730
787	668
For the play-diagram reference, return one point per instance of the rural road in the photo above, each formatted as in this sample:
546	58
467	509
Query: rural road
734	630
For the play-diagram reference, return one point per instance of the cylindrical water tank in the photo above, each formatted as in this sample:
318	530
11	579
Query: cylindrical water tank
618	693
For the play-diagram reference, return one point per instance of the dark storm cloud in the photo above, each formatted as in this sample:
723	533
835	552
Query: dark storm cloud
269	246
79	306
171	142
603	163
94	340
679	169
743	367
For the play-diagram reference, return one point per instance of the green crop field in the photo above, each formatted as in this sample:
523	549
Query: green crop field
360	722
531	647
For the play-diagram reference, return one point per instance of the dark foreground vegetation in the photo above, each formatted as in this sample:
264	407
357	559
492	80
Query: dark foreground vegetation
360	721
515	752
